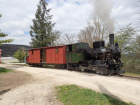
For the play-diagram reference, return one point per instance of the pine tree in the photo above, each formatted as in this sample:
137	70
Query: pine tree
42	29
4	35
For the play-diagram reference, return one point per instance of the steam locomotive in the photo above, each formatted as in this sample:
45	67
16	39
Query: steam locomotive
103	60
79	56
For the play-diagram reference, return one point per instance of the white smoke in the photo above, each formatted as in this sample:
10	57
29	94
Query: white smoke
102	10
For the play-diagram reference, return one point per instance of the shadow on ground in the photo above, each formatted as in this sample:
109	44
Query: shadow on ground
4	91
111	99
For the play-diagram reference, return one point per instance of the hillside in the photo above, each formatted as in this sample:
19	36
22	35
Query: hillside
8	50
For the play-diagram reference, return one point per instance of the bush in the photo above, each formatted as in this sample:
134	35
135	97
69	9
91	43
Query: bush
20	54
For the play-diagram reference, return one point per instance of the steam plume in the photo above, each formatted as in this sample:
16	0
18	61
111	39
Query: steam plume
102	10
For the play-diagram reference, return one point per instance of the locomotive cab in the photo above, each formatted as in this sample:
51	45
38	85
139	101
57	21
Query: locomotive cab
75	54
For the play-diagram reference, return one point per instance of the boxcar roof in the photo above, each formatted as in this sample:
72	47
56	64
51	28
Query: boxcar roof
45	47
55	46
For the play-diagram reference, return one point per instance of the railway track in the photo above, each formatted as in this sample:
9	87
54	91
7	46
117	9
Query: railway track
91	73
120	76
129	77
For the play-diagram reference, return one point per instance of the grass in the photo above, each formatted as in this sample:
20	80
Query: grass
17	62
50	66
74	95
132	74
3	70
2	63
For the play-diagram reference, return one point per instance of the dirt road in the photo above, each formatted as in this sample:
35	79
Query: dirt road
42	91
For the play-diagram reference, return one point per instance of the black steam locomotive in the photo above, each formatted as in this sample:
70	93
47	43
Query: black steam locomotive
103	60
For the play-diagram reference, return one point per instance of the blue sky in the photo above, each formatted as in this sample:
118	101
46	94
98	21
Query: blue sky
69	15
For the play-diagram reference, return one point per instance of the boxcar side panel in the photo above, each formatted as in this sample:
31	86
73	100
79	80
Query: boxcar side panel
53	55
56	55
27	59
60	55
57	58
38	56
29	56
34	56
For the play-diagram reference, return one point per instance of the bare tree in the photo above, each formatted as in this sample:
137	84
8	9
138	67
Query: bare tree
69	38
86	35
94	31
58	42
57	35
66	39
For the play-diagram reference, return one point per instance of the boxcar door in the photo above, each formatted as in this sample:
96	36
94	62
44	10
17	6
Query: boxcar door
43	55
56	56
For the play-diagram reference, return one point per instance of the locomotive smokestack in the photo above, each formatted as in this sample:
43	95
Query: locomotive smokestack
111	38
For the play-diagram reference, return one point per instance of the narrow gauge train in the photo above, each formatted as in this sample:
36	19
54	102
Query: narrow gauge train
79	56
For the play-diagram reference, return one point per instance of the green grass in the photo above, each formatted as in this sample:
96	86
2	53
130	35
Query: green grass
3	70
50	66
17	62
2	63
74	95
133	74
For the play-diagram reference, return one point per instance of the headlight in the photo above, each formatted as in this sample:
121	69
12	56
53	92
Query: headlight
103	50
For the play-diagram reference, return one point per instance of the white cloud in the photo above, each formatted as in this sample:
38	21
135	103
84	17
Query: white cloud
16	18
69	15
125	12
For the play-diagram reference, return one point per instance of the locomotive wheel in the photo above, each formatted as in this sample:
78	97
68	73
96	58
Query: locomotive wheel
97	72
81	68
56	66
33	65
40	65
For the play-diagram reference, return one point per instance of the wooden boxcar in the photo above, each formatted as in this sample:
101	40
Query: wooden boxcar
47	55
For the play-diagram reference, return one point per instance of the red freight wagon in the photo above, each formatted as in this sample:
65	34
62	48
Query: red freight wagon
47	55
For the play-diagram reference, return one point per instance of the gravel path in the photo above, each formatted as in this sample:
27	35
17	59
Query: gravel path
42	90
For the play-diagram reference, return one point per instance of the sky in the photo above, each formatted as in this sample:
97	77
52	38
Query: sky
70	16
